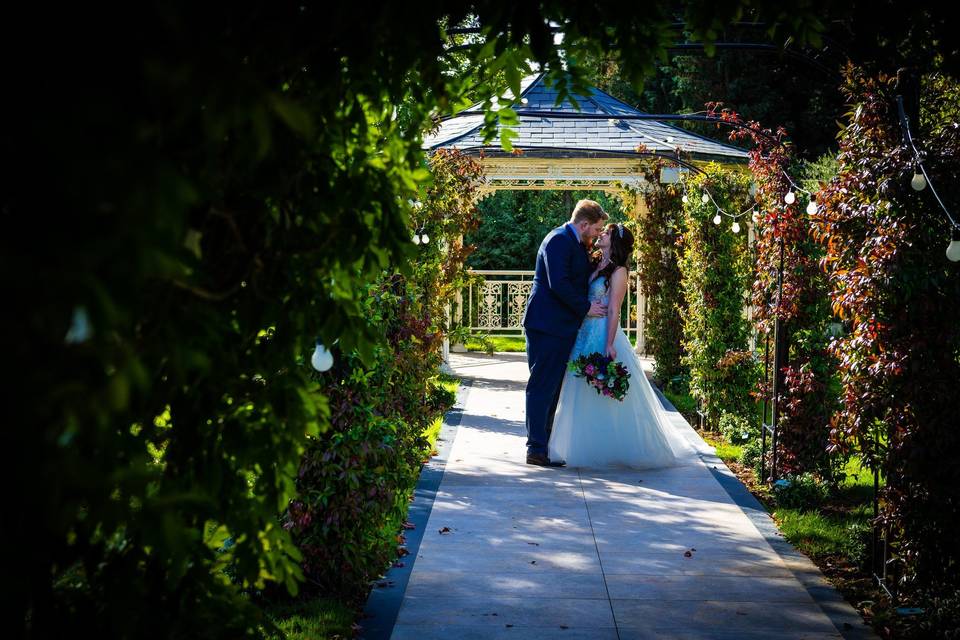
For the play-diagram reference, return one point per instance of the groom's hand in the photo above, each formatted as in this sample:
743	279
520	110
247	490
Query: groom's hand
597	310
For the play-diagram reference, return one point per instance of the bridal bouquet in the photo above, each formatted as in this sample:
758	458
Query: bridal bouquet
609	377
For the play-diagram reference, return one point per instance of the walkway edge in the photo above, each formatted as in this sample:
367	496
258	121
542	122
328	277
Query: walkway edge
841	613
383	603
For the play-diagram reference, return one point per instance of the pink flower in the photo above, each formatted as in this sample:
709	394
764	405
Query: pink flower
590	370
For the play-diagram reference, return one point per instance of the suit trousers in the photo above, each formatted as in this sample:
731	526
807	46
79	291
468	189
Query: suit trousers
547	357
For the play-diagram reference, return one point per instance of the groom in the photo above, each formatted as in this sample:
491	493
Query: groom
557	305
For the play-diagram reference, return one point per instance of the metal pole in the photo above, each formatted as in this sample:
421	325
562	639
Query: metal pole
777	366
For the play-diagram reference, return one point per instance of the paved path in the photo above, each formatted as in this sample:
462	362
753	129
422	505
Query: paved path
517	551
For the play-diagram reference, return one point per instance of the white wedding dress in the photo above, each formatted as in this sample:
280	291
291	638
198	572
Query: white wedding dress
591	430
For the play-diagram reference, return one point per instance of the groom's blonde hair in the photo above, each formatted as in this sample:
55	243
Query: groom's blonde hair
588	211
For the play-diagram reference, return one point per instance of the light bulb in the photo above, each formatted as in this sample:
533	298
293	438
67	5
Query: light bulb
755	216
953	249
322	359
753	189
716	219
704	198
416	239
735	227
685	199
918	182
425	239
790	198
812	207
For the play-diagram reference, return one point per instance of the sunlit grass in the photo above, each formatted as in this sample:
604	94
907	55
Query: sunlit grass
322	618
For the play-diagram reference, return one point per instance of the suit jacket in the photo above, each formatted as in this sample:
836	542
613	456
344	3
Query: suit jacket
558	299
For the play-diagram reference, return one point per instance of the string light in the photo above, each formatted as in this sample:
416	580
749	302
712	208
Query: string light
685	199
321	359
716	218
735	227
705	198
790	198
425	239
416	238
953	249
920	181
812	207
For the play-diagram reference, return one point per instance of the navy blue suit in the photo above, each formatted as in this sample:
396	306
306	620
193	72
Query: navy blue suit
557	306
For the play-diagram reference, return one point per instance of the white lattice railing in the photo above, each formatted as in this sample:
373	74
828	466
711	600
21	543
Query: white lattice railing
495	305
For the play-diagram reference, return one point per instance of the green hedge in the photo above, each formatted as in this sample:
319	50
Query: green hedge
715	273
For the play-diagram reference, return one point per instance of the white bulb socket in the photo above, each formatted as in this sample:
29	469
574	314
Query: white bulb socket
321	359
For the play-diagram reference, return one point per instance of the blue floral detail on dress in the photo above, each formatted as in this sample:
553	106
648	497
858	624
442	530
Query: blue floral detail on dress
593	332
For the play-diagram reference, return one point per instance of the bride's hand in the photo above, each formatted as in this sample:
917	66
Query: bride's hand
611	352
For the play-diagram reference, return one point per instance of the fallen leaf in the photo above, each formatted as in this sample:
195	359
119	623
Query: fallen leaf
687	554
508	626
445	530
563	626
536	544
409	525
398	564
692	549
533	562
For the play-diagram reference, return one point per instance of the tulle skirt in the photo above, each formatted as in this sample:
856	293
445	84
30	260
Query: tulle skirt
591	430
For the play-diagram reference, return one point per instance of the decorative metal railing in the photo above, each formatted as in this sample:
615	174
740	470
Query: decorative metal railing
495	303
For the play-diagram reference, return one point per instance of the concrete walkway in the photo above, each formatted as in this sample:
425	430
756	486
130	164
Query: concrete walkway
518	551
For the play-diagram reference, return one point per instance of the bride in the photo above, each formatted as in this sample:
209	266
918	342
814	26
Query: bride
591	430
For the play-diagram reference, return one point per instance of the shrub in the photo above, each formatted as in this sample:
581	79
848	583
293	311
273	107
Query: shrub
857	543
737	429
750	455
802	491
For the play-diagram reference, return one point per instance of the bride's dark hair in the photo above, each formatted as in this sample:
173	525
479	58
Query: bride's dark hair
621	248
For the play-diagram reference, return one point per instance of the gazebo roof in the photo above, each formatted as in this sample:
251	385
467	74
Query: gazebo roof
579	137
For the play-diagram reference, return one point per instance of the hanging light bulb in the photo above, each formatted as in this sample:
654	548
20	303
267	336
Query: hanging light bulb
735	227
812	207
953	249
790	198
753	189
425	239
322	359
685	199
416	238
755	216
716	218
918	182
704	198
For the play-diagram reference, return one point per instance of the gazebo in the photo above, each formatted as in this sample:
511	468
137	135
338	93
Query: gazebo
605	145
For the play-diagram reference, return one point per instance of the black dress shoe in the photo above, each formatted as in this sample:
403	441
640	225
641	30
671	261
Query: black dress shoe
543	461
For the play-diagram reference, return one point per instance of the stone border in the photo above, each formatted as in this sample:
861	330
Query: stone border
844	617
383	604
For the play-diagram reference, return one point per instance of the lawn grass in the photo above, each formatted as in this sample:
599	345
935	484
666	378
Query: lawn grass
320	618
513	344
